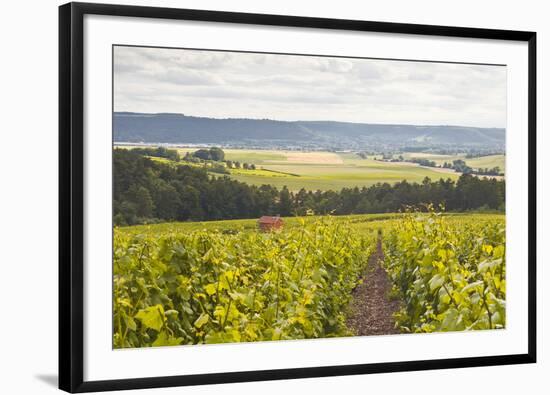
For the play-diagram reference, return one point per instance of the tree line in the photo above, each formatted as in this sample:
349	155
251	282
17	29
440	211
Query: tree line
159	152
460	166
220	164
146	191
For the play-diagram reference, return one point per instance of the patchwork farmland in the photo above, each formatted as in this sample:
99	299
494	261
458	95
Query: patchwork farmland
335	170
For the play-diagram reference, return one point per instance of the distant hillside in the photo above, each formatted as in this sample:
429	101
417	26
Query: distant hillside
178	128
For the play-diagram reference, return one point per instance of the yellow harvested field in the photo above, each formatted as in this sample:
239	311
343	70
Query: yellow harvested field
451	171
441	170
324	158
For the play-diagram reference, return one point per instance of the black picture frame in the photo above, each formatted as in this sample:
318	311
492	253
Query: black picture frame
71	174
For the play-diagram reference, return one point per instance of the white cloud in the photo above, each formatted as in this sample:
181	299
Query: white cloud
290	87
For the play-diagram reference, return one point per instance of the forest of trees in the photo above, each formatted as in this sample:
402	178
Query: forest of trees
460	166
146	191
159	152
424	162
213	153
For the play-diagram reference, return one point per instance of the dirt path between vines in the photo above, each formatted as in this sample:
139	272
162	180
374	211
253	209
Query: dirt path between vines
371	310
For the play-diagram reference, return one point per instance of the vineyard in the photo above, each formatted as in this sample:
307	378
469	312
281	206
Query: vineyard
213	283
213	287
449	275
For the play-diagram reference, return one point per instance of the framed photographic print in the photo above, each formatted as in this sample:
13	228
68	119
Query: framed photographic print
257	197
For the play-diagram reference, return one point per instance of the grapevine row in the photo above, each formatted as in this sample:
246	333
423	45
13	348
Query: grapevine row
213	287
449	275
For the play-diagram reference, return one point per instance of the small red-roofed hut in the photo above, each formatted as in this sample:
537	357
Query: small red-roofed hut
267	223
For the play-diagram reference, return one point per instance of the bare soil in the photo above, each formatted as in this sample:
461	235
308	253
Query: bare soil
371	310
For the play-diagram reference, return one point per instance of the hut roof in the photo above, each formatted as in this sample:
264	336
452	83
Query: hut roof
266	219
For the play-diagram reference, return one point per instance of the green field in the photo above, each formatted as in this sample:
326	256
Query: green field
252	156
488	162
326	170
336	177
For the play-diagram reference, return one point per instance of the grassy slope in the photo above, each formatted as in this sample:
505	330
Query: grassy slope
336	177
488	161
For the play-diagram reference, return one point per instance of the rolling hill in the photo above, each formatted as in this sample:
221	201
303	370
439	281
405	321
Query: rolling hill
182	129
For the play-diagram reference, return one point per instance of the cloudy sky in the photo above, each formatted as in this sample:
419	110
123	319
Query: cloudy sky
285	87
